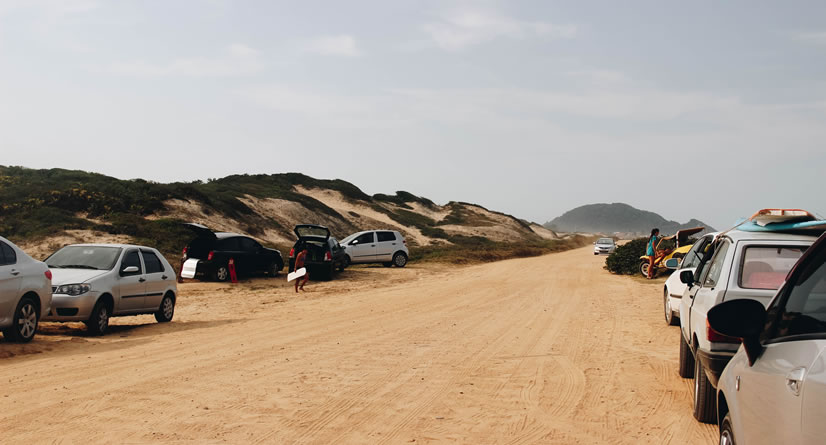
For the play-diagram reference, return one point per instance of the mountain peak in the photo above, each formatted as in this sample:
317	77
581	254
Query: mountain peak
616	217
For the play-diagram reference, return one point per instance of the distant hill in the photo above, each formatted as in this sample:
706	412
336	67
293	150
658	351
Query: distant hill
43	210
617	217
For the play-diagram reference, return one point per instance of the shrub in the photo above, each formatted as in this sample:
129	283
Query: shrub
625	260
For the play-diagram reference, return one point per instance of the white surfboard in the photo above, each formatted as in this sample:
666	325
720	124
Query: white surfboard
297	274
190	267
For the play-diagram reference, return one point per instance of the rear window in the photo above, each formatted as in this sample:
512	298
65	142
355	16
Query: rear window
767	267
386	236
320	232
7	254
152	262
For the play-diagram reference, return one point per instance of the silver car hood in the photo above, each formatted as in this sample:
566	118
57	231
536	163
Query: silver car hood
74	276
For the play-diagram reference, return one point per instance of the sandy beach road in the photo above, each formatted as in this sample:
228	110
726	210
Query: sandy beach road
533	351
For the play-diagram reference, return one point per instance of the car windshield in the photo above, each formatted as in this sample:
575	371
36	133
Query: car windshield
84	257
605	241
348	238
767	267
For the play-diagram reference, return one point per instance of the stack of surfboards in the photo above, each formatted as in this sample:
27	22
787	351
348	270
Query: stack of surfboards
782	220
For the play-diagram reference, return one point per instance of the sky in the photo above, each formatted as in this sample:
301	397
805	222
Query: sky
701	109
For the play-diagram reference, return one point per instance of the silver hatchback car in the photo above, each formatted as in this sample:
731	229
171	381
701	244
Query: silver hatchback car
93	282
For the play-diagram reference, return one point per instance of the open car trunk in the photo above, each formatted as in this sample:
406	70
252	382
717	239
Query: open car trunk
204	241
316	248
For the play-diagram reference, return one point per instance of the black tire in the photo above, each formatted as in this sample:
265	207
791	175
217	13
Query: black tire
399	259
221	273
595	253
705	401
686	359
727	431
347	261
390	264
24	322
670	318
98	322
166	310
644	268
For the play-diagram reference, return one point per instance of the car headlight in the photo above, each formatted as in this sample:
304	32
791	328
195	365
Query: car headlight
73	289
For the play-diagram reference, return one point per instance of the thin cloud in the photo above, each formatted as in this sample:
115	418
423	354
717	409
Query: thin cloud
341	45
812	38
456	32
237	60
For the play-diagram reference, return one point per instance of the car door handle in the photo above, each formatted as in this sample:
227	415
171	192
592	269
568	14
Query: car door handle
163	277
141	279
794	380
15	272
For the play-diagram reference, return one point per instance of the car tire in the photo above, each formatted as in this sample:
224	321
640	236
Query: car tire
347	261
705	409
595	253
274	269
166	310
24	322
644	268
727	431
388	264
670	318
328	274
399	259
686	359
221	273
98	322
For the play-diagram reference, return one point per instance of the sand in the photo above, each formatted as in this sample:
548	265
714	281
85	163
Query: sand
532	351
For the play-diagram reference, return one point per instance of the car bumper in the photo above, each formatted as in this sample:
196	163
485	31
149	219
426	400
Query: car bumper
69	308
714	362
603	251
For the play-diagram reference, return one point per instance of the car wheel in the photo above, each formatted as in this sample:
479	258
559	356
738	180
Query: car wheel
400	259
727	431
328	274
670	318
24	322
347	261
704	396
166	311
595	253
644	268
274	269
222	273
98	323
686	359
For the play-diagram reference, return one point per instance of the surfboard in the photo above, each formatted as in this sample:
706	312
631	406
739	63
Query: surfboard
190	267
751	226
297	274
765	217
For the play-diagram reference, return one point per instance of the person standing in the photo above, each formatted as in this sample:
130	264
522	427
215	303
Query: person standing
651	251
299	263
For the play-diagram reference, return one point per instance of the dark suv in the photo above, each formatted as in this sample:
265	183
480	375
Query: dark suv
214	250
324	254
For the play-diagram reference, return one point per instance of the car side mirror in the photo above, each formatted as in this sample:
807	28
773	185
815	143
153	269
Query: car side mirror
686	277
672	263
129	270
741	318
354	242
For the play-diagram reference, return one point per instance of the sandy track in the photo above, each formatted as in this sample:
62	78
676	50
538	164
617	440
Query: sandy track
542	350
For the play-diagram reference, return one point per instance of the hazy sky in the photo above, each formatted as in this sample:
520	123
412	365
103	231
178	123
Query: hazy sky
703	109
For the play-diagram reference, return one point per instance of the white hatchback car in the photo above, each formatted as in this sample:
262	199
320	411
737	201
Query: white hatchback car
674	288
376	246
749	265
774	389
25	292
93	282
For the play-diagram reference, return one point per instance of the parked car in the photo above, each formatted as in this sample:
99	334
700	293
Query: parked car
94	282
324	254
387	247
774	389
25	292
674	288
213	251
604	246
743	265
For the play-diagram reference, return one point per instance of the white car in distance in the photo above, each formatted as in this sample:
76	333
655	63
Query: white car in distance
387	247
94	282
25	292
604	246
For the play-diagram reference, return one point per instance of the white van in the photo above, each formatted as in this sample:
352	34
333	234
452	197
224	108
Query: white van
387	247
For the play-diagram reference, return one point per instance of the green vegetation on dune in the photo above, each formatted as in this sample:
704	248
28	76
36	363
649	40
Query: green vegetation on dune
471	250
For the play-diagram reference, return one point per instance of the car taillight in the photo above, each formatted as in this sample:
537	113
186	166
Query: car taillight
328	256
48	274
404	241
292	252
716	337
210	255
185	250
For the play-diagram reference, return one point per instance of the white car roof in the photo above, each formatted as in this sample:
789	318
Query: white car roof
739	235
124	246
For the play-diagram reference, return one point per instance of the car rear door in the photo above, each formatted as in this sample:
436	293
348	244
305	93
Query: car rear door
710	288
10	278
156	279
386	245
131	285
363	248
